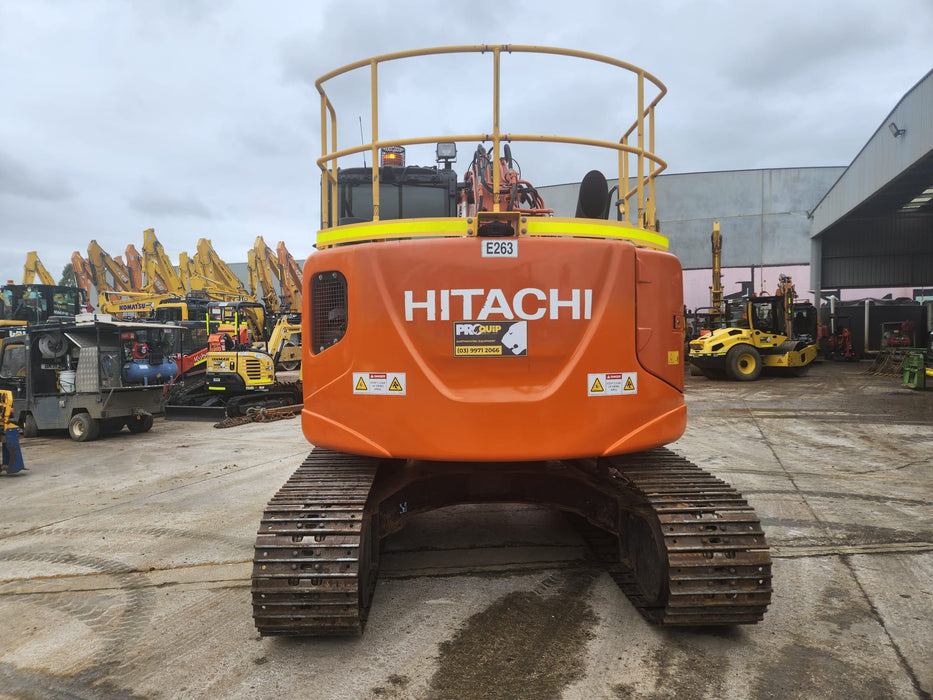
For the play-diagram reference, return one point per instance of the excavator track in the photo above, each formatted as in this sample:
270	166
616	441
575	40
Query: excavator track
313	543
713	553
275	396
683	545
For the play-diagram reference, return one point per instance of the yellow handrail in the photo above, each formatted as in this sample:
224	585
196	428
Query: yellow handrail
642	190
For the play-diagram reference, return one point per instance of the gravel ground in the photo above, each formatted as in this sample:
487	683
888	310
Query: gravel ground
125	566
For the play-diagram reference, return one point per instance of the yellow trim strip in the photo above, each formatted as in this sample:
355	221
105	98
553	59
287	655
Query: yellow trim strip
400	228
458	228
591	228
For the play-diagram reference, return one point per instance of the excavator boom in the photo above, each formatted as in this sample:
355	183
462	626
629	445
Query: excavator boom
103	265
134	266
34	268
291	278
263	269
83	274
159	273
218	277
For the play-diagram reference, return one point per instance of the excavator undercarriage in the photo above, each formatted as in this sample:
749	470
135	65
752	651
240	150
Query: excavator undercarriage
684	546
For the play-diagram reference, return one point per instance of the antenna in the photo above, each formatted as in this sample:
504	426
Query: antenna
362	142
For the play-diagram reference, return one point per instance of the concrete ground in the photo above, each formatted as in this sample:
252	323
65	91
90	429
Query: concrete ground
125	567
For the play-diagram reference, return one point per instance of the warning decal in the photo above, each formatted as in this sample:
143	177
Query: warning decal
612	384
379	383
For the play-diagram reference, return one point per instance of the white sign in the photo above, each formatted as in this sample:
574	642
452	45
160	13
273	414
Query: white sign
500	248
528	304
379	383
612	384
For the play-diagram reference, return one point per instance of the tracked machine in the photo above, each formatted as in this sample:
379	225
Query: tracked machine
463	345
229	374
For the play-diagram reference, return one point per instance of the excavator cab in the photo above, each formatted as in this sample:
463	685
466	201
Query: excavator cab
407	192
805	322
22	304
243	321
175	310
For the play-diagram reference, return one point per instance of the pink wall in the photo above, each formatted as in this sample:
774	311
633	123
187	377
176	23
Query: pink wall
697	282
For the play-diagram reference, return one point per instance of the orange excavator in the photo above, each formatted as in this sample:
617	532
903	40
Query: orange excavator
463	345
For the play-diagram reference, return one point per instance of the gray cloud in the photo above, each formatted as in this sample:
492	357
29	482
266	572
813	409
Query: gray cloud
200	117
18	179
279	141
163	207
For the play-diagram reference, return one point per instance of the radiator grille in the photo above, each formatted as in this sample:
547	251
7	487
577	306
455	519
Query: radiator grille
328	309
253	369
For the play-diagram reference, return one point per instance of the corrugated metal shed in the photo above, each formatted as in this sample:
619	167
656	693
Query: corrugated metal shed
763	214
863	236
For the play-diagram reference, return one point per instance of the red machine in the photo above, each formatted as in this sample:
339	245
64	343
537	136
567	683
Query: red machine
901	336
839	345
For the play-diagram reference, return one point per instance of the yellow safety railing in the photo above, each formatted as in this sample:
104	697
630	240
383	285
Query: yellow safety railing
636	201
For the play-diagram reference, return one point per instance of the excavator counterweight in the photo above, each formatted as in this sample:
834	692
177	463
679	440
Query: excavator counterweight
461	344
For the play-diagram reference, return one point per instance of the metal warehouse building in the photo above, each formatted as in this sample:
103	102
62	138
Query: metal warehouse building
833	229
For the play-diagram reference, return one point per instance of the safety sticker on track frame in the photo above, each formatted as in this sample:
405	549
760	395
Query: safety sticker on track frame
612	384
379	383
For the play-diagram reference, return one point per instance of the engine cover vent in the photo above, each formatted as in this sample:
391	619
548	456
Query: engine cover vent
328	310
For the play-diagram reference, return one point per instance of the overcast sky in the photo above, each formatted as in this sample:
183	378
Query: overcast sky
199	118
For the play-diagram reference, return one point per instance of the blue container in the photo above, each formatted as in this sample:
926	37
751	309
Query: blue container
141	372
